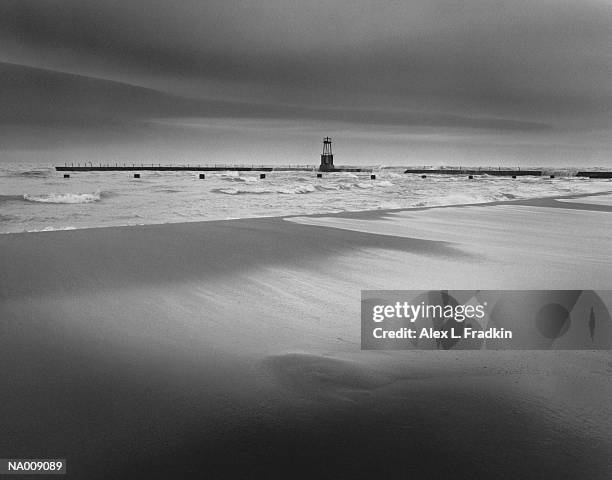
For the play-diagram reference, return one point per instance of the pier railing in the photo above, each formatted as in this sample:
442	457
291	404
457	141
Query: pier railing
107	167
499	171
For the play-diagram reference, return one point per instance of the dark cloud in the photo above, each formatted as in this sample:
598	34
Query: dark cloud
467	50
33	96
523	66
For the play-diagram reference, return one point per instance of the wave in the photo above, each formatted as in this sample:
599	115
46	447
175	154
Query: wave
51	229
7	218
11	198
343	175
236	178
302	188
167	190
64	198
241	191
34	173
330	186
289	190
298	189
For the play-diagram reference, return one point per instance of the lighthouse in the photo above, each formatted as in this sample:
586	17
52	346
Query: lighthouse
327	158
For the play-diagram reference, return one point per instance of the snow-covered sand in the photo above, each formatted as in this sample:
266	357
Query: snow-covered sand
231	349
594	200
510	246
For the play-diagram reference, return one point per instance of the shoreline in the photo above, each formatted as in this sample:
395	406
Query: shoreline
535	201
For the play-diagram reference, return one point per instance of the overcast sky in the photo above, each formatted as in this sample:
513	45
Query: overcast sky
420	81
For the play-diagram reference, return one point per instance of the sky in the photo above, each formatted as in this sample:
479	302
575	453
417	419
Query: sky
393	82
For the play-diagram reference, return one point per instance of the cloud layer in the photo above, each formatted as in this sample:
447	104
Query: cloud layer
524	68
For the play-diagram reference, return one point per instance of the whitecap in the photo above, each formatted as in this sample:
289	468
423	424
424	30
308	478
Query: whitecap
68	198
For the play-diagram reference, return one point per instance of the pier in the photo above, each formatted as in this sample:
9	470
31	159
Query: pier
90	167
499	172
327	165
201	168
595	174
475	171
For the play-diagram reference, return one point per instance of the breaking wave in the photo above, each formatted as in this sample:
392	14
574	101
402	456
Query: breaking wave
51	229
241	191
297	189
289	190
301	188
68	198
237	178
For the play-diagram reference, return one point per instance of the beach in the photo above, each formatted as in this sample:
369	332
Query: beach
306	240
231	349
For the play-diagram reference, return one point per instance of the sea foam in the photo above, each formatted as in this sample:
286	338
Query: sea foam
64	197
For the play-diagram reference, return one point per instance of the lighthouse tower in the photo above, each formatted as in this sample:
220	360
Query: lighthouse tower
327	158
